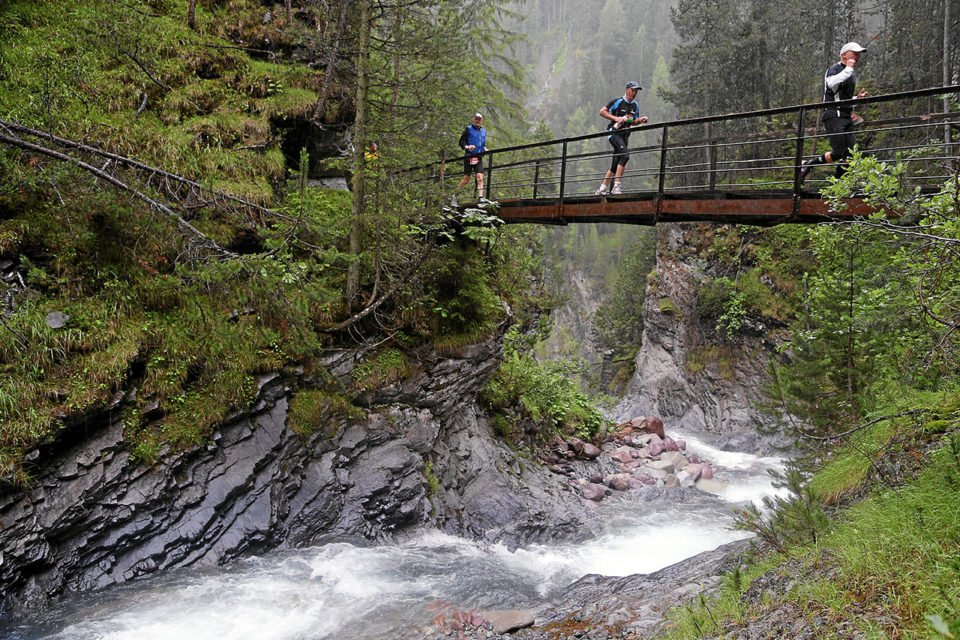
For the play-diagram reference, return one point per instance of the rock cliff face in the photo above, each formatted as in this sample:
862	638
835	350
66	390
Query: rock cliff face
91	517
720	398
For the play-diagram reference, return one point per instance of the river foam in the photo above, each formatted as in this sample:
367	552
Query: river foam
378	592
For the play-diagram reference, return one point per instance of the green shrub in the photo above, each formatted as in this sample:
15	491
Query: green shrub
313	409
544	394
383	368
433	482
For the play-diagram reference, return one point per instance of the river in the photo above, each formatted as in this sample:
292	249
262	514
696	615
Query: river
385	592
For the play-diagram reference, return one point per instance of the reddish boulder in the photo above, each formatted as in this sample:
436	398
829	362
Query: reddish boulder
623	454
651	424
618	481
590	451
595	492
576	444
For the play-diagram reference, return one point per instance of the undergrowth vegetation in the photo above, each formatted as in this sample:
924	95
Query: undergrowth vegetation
534	401
887	568
162	291
864	541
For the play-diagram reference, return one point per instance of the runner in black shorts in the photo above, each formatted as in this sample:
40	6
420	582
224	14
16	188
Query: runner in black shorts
473	165
839	83
473	141
622	113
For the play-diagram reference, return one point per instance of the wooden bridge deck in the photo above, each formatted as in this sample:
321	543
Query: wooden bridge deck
760	208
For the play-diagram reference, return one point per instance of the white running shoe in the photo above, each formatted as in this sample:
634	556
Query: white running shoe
616	190
602	191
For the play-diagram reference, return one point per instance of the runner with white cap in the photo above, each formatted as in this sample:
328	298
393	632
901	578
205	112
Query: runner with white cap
839	83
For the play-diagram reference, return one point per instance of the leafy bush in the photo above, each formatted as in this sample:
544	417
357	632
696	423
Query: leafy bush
462	304
385	367
723	304
544	394
313	409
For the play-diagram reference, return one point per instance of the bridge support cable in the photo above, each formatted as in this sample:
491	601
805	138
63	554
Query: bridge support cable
563	179
487	186
711	151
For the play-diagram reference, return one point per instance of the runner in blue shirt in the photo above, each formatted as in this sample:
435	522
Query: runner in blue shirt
473	141
622	113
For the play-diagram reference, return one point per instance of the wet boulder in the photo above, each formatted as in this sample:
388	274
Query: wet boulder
590	451
594	492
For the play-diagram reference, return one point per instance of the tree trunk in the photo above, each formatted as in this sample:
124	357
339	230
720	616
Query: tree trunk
395	88
330	64
192	14
851	342
946	67
359	147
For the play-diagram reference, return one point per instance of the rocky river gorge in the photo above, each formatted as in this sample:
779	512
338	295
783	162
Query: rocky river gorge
414	522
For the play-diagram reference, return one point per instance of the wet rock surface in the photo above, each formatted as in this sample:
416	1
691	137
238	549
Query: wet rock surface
718	395
93	517
605	608
423	454
637	454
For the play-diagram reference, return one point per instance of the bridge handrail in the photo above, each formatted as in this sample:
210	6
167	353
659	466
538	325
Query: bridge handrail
806	107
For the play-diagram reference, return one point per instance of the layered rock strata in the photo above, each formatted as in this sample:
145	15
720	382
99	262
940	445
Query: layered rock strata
92	517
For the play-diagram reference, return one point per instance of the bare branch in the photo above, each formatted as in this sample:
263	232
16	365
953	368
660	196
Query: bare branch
357	317
864	425
151	171
144	68
182	224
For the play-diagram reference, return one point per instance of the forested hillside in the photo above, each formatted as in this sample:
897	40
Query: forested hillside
744	55
870	363
157	230
864	315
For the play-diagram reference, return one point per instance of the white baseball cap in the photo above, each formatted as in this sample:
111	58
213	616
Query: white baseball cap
477	115
851	46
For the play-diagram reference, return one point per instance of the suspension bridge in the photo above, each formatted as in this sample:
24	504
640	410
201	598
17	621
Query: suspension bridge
741	168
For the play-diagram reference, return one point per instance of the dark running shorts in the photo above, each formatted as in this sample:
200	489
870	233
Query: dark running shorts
472	164
840	132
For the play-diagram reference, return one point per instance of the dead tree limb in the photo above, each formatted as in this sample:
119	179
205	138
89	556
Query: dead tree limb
360	315
144	68
181	224
152	171
330	63
864	425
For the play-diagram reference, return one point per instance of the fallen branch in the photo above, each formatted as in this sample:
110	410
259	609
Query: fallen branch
863	426
143	104
144	68
360	315
182	224
134	164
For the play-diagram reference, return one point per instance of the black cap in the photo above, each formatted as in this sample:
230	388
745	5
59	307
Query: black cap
634	85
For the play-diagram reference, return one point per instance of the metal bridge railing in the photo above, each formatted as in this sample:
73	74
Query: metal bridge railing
741	152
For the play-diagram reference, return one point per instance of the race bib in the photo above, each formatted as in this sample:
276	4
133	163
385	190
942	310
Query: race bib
474	159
